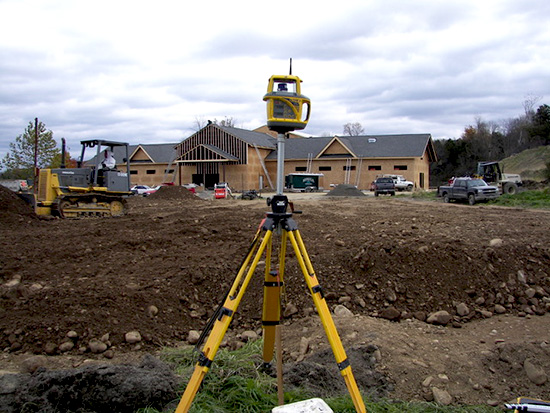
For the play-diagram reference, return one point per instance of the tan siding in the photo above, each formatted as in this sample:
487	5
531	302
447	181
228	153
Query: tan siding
140	155
143	178
336	148
337	174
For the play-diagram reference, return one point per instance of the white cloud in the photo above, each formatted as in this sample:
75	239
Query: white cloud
143	71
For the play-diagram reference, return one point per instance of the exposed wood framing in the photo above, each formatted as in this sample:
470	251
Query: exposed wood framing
264	167
209	144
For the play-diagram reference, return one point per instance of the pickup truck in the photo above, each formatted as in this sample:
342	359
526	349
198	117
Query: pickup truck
401	184
468	189
384	185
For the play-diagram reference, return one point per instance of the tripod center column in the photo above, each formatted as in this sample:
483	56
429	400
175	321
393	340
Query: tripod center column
280	162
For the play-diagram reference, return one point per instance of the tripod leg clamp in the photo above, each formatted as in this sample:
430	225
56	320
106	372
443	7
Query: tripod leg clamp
225	311
204	361
344	364
270	323
317	289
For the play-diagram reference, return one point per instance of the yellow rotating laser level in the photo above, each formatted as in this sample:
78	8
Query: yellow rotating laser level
287	108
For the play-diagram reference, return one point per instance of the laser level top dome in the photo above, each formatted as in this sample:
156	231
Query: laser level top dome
287	108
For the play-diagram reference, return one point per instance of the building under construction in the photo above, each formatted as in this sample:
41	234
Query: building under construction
248	159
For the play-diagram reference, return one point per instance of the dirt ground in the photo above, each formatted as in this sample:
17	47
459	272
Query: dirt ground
163	268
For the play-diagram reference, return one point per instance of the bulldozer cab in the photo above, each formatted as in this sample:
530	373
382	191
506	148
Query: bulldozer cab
101	170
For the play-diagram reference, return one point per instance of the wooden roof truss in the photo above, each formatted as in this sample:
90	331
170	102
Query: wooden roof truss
212	144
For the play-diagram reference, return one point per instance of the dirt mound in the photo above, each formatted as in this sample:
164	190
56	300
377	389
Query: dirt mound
320	375
172	192
164	267
108	388
535	185
345	190
12	208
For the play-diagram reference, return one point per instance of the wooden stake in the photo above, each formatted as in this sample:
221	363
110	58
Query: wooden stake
280	391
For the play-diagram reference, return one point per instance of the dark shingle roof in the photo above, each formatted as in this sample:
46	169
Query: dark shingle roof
159	152
221	152
367	146
384	146
300	148
253	138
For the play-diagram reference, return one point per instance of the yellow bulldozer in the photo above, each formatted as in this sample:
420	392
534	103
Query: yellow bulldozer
93	188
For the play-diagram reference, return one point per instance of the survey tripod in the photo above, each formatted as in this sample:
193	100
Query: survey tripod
279	221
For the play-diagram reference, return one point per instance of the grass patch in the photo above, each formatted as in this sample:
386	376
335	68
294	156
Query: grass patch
236	384
424	195
538	199
535	199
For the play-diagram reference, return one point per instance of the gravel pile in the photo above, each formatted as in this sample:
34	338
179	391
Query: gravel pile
345	190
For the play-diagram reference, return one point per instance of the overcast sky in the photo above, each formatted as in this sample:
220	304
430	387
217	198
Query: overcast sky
146	71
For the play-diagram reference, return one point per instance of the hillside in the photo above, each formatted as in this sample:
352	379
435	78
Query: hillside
530	164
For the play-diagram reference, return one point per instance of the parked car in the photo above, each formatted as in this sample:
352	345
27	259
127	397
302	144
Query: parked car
401	184
384	185
468	189
191	187
143	190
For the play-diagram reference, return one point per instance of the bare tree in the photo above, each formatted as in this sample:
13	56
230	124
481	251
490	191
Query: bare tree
529	105
353	129
199	123
228	121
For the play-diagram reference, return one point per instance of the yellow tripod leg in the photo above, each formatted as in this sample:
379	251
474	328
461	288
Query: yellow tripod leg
271	314
221	324
326	319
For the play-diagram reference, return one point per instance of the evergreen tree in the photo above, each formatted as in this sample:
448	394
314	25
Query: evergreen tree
19	161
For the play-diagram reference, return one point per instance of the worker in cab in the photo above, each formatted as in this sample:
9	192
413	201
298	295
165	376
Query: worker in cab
109	162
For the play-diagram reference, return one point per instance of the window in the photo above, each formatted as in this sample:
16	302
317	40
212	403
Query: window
375	168
168	171
348	168
325	168
300	169
151	172
399	167
133	172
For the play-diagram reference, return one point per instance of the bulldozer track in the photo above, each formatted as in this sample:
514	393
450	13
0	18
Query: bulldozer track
90	206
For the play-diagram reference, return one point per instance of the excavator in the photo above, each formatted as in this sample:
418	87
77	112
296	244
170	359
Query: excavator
93	188
493	174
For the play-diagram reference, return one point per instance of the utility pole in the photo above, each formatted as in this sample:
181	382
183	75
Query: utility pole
35	183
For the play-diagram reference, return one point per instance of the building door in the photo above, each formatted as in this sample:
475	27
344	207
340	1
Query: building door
210	180
207	174
197	179
422	180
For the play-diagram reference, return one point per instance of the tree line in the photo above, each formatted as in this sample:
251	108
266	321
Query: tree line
489	141
482	141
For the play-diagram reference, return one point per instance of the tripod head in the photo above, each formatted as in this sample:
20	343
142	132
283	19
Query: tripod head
278	204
